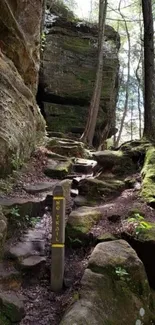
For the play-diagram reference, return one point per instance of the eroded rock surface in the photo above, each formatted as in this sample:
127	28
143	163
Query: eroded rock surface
21	124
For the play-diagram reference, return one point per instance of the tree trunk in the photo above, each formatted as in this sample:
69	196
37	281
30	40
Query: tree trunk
149	114
127	84
138	97
95	101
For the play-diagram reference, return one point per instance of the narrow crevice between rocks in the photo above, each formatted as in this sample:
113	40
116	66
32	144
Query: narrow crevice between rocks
146	252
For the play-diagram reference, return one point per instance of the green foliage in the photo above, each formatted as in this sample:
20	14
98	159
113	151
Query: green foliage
43	41
16	162
136	224
121	273
6	185
15	212
75	241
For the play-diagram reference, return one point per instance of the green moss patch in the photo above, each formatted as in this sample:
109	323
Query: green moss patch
80	223
148	174
58	169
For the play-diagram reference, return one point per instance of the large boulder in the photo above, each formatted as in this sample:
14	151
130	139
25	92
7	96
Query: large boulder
68	73
21	124
118	162
114	289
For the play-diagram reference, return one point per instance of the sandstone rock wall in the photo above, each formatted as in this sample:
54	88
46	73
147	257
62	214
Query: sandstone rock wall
21	124
68	74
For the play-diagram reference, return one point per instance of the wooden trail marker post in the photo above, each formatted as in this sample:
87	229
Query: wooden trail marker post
58	239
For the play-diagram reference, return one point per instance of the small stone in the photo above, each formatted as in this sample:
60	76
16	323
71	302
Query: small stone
12	306
74	193
142	312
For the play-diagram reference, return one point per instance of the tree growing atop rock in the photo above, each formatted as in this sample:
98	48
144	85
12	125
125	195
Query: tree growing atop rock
89	131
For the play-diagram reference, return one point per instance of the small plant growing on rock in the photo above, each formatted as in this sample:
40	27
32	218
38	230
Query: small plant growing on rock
16	162
122	273
15	212
135	225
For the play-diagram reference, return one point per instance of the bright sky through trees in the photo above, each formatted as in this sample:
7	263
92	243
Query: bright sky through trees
83	8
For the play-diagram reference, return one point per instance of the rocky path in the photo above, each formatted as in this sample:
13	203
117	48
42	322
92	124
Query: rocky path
25	272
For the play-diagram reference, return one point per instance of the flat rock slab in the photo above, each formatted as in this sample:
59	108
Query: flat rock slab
81	221
32	262
58	169
114	289
39	187
12	306
66	147
85	166
26	206
25	249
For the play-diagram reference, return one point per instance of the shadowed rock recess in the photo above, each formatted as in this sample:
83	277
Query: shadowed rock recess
21	124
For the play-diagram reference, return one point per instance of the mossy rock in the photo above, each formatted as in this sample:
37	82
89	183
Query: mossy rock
99	189
116	161
12	306
4	320
147	234
113	284
58	169
105	237
66	147
148	174
80	223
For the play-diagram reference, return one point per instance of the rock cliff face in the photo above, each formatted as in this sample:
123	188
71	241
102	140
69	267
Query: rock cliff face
68	74
21	124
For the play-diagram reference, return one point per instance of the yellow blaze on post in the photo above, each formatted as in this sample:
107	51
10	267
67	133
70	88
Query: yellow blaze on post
58	239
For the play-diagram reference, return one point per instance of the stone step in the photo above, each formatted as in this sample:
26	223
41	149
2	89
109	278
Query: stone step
32	263
85	166
58	169
32	207
39	187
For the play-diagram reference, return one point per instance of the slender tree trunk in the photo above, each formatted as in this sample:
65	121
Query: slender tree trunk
127	84
149	114
95	101
139	96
